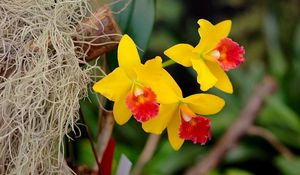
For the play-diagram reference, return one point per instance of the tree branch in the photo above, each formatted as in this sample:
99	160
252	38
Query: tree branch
107	124
146	154
239	128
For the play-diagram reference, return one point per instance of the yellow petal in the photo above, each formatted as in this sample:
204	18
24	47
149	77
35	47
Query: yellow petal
205	78
160	122
205	28
128	56
223	28
211	34
204	104
181	54
223	82
218	31
159	80
114	86
173	132
121	113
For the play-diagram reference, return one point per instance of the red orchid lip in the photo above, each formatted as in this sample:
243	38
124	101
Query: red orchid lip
142	103
229	54
196	129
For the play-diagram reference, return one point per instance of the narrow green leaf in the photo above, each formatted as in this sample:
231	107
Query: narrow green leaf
123	11
112	60
141	23
288	167
287	137
277	113
297	44
244	152
168	161
135	19
276	56
90	114
234	171
84	153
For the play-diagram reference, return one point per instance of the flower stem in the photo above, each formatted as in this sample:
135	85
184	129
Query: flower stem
92	144
168	63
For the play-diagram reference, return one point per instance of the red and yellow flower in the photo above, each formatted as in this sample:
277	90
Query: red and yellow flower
183	117
214	54
135	88
151	95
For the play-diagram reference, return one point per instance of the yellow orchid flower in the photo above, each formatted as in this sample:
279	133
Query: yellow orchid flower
214	54
135	88
182	120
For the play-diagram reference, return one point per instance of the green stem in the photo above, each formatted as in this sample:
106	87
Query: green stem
168	63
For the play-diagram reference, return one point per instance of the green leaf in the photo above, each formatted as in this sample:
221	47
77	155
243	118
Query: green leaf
93	98
84	153
90	114
234	171
135	19
214	172
288	167
112	60
141	23
123	11
277	113
134	133
276	56
167	161
281	120
287	137
131	154
244	152
170	14
294	76
297	44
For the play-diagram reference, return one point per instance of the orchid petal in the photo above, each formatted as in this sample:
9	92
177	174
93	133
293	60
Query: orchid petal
121	113
173	132
114	86
159	80
128	56
204	104
223	82
181	54
211	34
160	122
205	77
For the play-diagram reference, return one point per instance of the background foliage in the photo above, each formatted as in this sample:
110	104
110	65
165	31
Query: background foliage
270	32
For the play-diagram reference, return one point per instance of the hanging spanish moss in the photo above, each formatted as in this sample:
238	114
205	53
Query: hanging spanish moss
43	74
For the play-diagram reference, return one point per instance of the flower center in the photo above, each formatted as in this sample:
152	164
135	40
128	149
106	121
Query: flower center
228	54
142	103
193	127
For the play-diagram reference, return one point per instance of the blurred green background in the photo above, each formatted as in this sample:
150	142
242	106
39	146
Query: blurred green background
269	30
